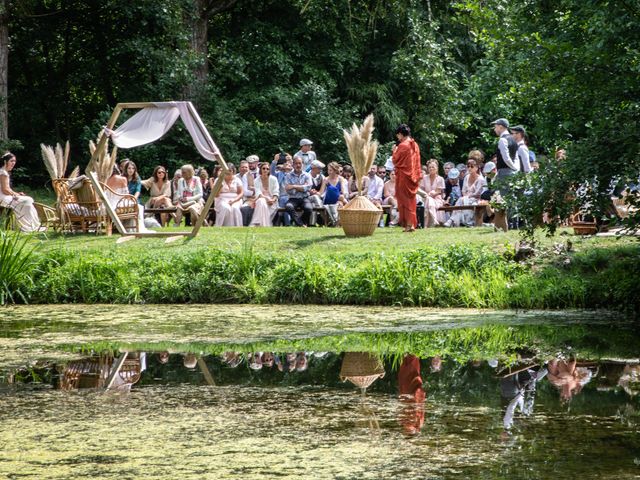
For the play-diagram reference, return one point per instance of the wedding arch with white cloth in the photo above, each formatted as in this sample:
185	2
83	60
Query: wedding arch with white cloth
151	123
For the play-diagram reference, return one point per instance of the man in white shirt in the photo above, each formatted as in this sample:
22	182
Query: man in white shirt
244	175
376	185
506	153
306	154
518	134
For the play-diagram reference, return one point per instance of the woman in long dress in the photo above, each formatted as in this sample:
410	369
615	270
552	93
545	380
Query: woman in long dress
474	185
21	204
433	184
229	200
265	203
189	195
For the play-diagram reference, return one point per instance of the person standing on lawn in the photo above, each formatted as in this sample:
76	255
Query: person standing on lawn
406	164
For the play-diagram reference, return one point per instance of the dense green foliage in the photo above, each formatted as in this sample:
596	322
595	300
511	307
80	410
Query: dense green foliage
280	70
17	262
452	276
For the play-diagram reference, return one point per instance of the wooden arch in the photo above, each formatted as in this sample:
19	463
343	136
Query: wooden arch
116	221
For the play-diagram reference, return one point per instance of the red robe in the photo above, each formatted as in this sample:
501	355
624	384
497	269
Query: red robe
406	163
412	395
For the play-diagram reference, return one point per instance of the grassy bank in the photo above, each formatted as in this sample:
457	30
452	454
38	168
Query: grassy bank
440	268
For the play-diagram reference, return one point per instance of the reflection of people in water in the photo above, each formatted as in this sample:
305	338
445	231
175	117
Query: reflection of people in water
412	395
94	372
436	363
232	359
268	359
519	390
255	361
302	363
163	358
568	377
190	360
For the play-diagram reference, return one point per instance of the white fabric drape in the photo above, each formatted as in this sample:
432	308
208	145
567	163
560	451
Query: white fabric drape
151	123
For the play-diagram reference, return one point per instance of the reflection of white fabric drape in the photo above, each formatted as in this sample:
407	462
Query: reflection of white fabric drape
151	123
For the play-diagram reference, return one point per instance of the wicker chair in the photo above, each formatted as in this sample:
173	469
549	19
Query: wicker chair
126	208
78	208
48	216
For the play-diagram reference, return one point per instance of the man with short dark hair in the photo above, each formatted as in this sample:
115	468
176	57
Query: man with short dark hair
297	184
506	153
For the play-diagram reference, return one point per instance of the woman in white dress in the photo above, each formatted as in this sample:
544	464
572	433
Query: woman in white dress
189	195
389	195
265	203
474	185
229	200
433	185
22	205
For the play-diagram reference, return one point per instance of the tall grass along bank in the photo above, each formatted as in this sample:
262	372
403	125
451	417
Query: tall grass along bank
436	276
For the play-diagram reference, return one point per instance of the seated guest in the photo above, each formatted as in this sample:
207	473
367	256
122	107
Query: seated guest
159	191
462	168
382	172
433	185
133	180
229	200
253	161
472	189
452	191
189	195
265	203
22	205
478	156
375	187
281	165
447	166
174	186
334	192
389	195
204	180
297	184
317	179
247	180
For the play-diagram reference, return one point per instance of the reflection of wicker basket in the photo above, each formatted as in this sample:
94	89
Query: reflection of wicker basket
581	226
361	369
359	218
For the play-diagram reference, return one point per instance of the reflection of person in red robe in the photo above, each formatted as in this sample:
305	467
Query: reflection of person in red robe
406	164
411	395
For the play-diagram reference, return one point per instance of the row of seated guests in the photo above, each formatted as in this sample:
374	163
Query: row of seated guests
253	195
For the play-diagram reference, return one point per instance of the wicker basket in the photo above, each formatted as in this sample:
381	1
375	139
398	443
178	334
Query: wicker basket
359	218
361	369
581	226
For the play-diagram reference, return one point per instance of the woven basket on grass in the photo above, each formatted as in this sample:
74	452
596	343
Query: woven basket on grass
361	369
581	226
359	217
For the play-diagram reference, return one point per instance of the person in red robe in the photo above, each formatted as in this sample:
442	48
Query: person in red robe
412	395
406	164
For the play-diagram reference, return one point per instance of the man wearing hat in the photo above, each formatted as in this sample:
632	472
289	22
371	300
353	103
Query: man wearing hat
506	153
518	133
306	154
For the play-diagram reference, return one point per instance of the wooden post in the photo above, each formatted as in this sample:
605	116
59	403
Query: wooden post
205	371
115	370
214	191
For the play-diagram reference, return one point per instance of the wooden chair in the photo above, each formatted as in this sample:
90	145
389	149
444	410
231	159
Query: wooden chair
79	207
48	216
126	208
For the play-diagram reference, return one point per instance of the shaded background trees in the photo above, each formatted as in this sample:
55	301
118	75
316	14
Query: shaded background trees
264	74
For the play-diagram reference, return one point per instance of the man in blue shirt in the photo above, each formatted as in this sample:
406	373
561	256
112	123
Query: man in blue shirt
297	184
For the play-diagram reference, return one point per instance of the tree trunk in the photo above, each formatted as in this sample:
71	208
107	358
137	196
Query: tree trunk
4	70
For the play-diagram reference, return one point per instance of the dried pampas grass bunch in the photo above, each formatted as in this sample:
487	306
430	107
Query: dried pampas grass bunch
362	150
56	160
104	162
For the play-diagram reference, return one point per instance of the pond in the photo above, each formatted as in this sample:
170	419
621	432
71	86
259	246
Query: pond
259	392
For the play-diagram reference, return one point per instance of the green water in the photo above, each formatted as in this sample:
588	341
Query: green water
221	420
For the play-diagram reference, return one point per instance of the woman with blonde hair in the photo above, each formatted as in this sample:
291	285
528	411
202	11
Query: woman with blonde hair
265	201
189	195
22	205
433	185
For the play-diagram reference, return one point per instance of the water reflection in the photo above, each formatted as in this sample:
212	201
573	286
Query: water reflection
398	415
